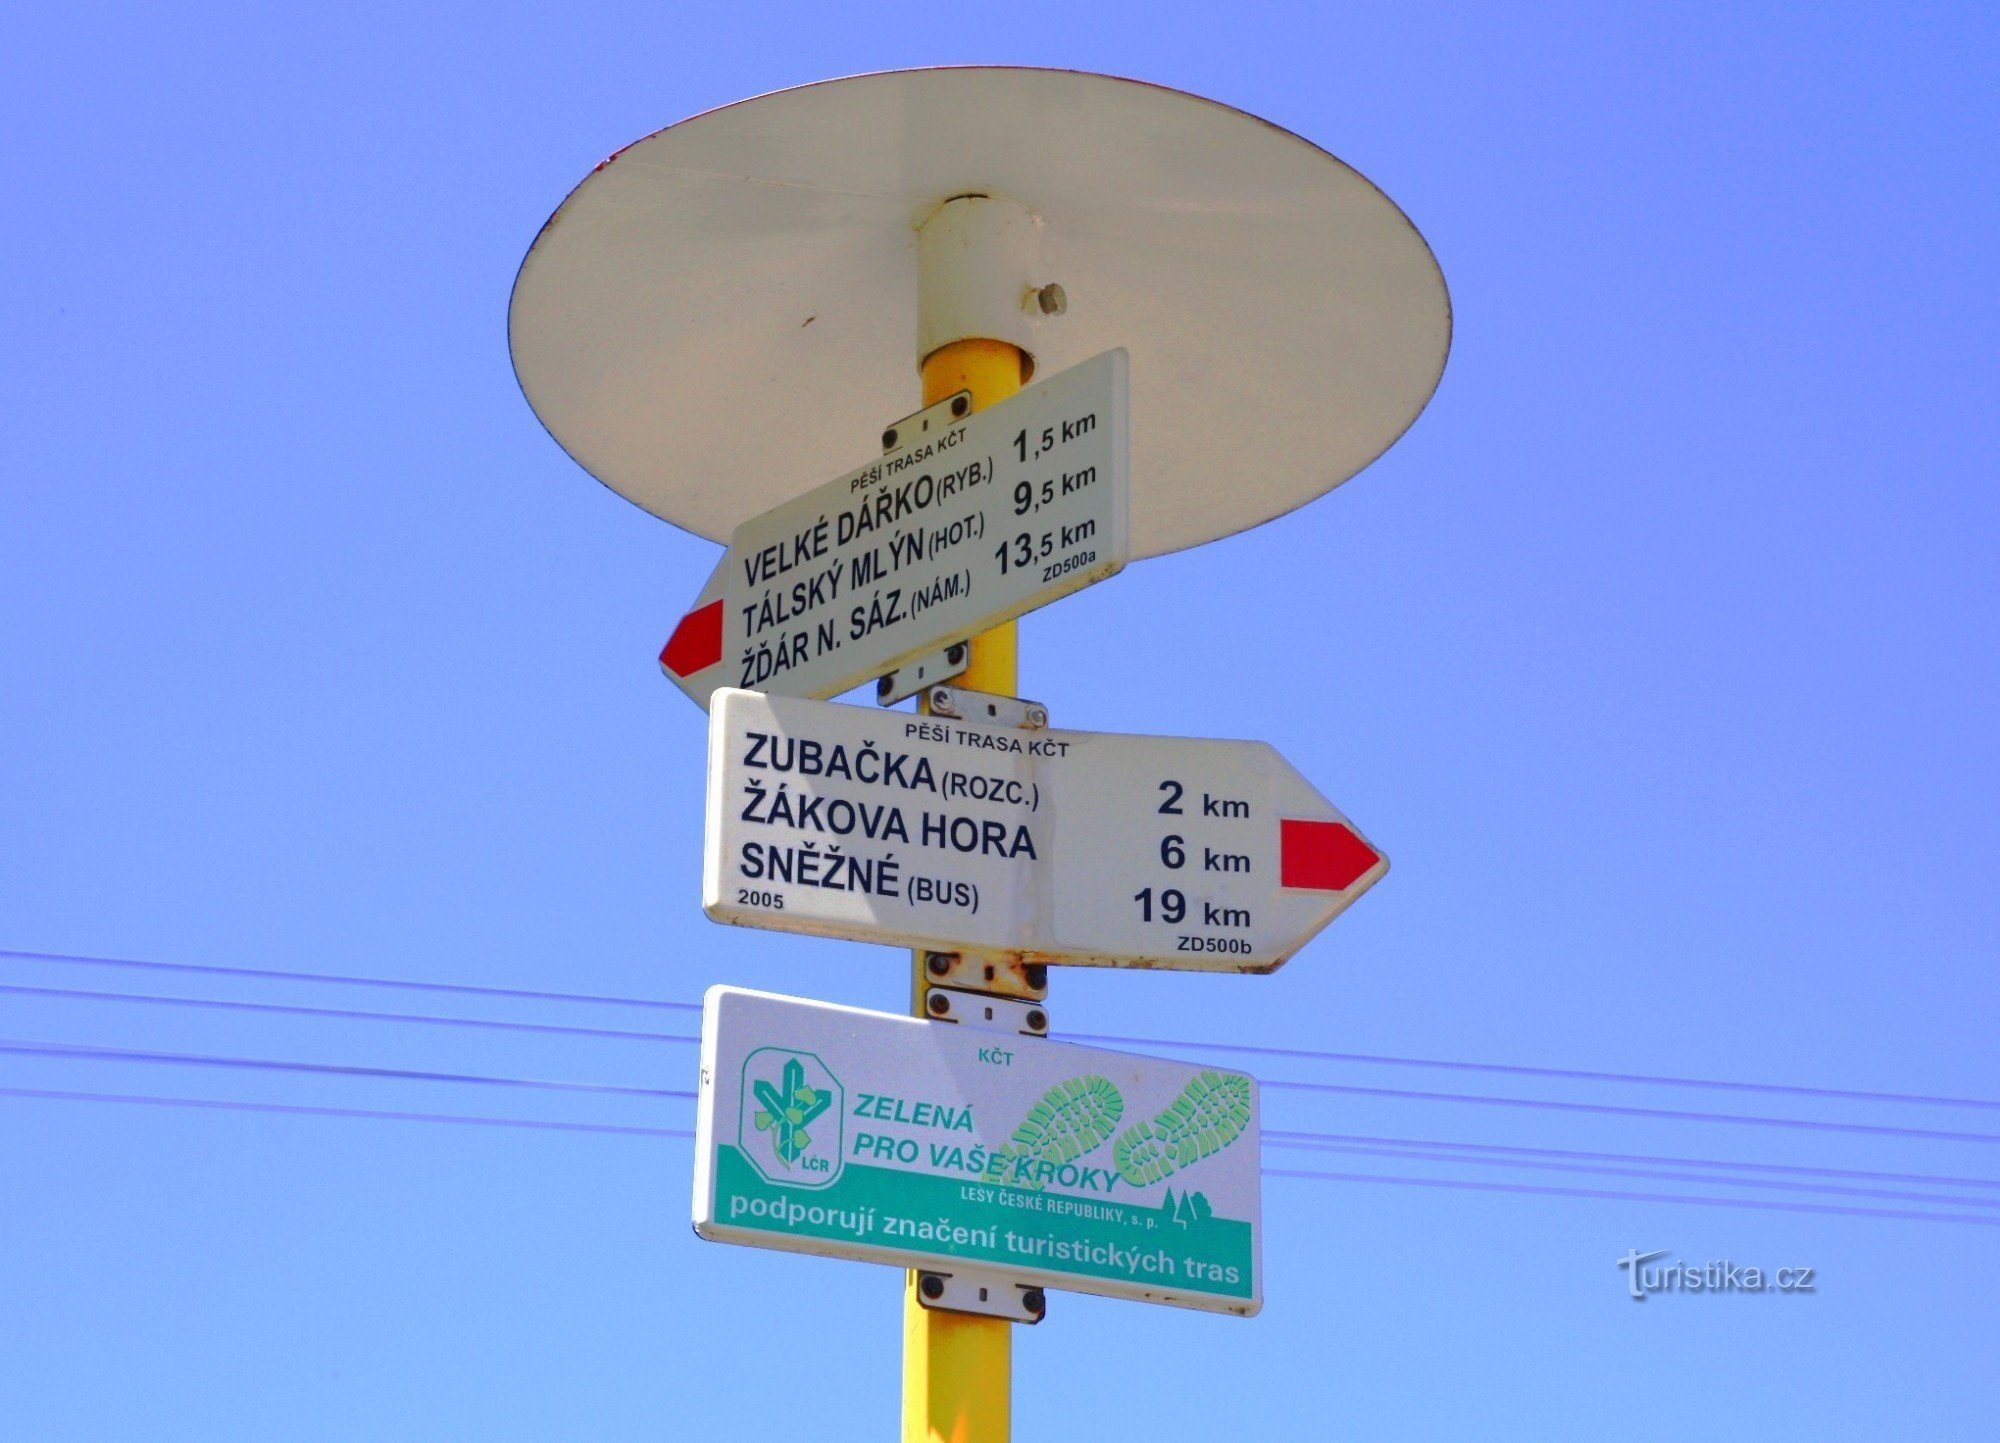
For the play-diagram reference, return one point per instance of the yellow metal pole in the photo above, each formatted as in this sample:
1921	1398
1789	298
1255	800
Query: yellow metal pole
957	1368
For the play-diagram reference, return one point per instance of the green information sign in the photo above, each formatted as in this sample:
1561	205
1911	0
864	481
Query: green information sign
895	1140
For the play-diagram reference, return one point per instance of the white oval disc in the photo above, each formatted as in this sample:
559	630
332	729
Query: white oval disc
723	315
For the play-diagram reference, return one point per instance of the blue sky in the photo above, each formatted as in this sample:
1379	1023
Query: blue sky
1660	655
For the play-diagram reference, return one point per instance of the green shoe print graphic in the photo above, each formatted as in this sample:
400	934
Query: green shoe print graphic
1211	1112
787	1108
1072	1118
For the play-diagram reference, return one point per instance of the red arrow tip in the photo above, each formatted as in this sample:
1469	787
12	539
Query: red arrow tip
696	643
1322	856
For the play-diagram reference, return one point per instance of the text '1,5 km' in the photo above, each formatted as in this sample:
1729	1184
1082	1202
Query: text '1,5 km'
964	523
1059	846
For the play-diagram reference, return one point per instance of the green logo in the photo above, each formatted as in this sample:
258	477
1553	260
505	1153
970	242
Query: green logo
786	1129
787	1109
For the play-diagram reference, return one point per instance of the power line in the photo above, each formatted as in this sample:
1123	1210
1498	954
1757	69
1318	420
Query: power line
1523	1070
561	1029
1416	1148
369	1114
1537	1189
1661	1175
1309	1054
343	980
1550	1105
193	1059
1381	1146
1459	1184
348	1014
1270	1134
200	1059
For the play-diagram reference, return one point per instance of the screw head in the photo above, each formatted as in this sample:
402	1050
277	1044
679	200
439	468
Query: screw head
938	962
1038	1019
884	685
931	1285
1033	1300
938	1005
1037	974
1037	717
889	439
955	653
1052	299
941	699
960	405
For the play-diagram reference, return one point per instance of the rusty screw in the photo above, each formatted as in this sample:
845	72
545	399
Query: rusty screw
938	962
1037	974
939	1004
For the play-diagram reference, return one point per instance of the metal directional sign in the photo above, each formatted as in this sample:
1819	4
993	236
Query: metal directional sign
1058	846
887	1139
963	524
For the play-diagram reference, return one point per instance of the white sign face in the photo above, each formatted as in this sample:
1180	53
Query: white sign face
886	1139
954	532
1058	846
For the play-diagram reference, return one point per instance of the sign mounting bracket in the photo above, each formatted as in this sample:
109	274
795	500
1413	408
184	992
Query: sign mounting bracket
913	676
962	705
983	1010
990	1295
1002	974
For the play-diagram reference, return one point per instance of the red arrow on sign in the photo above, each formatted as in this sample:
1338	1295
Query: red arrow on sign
1321	856
696	644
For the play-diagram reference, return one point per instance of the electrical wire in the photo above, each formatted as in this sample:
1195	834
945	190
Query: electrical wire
1416	1148
1575	1074
348	1014
560	1029
369	1114
1616	1110
341	979
1272	1135
200	1059
1656	1174
1254	1049
1536	1189
1458	1184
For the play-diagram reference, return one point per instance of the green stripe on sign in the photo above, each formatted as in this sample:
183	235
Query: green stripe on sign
1177	1247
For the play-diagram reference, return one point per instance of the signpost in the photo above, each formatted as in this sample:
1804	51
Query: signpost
723	310
928	1145
1056	846
963	524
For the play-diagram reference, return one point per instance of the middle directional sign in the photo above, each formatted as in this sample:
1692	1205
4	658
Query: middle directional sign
1057	846
963	524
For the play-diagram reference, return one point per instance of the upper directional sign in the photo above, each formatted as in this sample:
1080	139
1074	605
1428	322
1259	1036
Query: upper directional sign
1058	846
958	528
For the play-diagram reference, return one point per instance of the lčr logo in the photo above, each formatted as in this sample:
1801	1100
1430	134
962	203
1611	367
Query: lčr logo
786	1095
